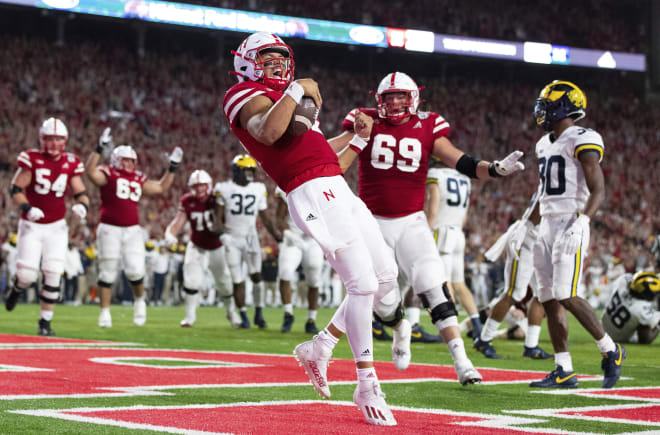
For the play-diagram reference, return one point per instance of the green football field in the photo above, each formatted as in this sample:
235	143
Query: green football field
63	378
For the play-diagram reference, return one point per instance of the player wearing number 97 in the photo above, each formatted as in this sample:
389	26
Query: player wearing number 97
239	202
204	250
38	189
119	235
394	143
572	190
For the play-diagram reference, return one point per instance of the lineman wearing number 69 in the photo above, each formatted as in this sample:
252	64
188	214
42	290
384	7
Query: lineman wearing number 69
119	235
38	189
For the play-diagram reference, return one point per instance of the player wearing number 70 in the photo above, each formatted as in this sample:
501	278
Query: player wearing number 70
118	235
38	189
394	143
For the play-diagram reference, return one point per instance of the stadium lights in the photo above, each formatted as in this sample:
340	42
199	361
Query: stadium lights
344	33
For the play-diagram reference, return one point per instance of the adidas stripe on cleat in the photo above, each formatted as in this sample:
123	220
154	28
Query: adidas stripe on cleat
371	401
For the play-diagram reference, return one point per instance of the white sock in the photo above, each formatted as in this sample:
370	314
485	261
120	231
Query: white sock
412	314
311	315
489	330
138	299
357	314
563	359
244	309
606	344
258	293
327	342
191	306
105	310
457	350
288	308
368	374
532	335
47	315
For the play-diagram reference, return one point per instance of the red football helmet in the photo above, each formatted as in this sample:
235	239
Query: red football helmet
200	183
397	82
249	64
53	136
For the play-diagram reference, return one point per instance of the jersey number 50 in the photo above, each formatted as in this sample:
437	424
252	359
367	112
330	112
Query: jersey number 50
382	153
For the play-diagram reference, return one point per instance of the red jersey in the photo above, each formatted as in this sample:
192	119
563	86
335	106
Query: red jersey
292	160
394	164
50	179
120	196
201	215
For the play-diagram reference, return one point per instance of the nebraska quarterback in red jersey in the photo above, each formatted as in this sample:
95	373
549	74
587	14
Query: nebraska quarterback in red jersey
119	236
38	189
259	109
393	163
204	250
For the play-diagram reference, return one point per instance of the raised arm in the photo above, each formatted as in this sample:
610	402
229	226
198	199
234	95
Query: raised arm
152	187
95	175
474	168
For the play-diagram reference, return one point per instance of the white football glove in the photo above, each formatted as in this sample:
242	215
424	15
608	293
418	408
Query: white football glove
170	240
176	156
80	210
225	239
508	165
105	141
34	214
572	237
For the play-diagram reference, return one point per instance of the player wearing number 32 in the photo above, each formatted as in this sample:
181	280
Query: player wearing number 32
394	143
573	188
119	235
38	189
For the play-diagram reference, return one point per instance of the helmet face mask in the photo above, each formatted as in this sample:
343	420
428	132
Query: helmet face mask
244	168
397	97
124	158
559	100
253	61
53	136
645	285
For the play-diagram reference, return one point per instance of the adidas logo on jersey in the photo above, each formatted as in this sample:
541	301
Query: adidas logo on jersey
418	125
310	217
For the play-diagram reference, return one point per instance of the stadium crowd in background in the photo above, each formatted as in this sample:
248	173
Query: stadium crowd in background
161	100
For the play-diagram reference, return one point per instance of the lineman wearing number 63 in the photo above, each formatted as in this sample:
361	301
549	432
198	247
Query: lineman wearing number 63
119	235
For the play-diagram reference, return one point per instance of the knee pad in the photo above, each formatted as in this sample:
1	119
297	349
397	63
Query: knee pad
386	307
25	276
108	270
49	294
52	279
439	303
256	277
190	291
105	284
134	277
393	319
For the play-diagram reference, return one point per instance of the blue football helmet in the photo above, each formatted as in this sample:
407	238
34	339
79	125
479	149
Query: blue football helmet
559	100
